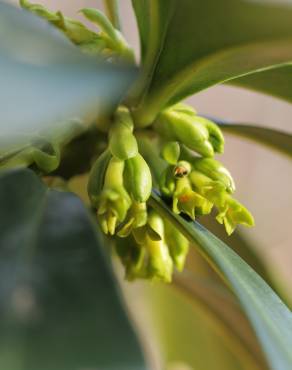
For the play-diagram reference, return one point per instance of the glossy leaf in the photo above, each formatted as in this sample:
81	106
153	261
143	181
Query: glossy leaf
45	80
60	307
203	43
274	139
276	82
270	318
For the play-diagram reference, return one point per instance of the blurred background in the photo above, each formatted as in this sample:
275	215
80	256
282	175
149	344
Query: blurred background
263	178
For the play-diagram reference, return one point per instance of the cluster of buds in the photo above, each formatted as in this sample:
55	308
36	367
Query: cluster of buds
107	42
121	180
120	185
197	183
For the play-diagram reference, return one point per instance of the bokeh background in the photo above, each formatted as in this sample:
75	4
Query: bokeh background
263	177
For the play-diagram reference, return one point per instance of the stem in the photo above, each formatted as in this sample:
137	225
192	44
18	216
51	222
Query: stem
112	12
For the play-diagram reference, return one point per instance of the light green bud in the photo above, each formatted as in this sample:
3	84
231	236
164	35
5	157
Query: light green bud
114	201
138	179
77	32
184	108
215	171
233	213
97	177
167	181
122	142
180	126
178	245
216	137
132	256
160	265
115	40
171	152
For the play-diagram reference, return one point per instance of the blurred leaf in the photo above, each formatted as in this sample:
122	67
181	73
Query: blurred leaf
276	82
46	80
194	323
189	45
249	253
60	307
270	318
274	139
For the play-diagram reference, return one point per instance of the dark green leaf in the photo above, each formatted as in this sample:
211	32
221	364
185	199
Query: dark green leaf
270	318
202	43
274	139
60	307
46	80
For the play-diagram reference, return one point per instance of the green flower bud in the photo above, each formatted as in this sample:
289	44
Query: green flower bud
178	245
167	182
188	201
232	214
138	179
97	176
215	171
160	263
151	236
182	127
184	108
171	152
216	137
114	201
133	257
114	38
122	142
77	32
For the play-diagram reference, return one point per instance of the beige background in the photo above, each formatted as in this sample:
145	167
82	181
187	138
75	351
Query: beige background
263	178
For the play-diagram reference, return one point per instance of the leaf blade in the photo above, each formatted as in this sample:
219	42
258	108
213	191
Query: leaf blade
60	307
205	43
274	139
46	80
271	319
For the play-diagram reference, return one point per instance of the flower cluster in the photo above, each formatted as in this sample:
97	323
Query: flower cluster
122	177
186	173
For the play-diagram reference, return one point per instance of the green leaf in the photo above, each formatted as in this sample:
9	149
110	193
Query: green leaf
270	318
274	139
247	250
202	43
198	318
276	82
60	307
46	80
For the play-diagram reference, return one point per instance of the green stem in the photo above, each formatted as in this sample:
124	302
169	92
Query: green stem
112	12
